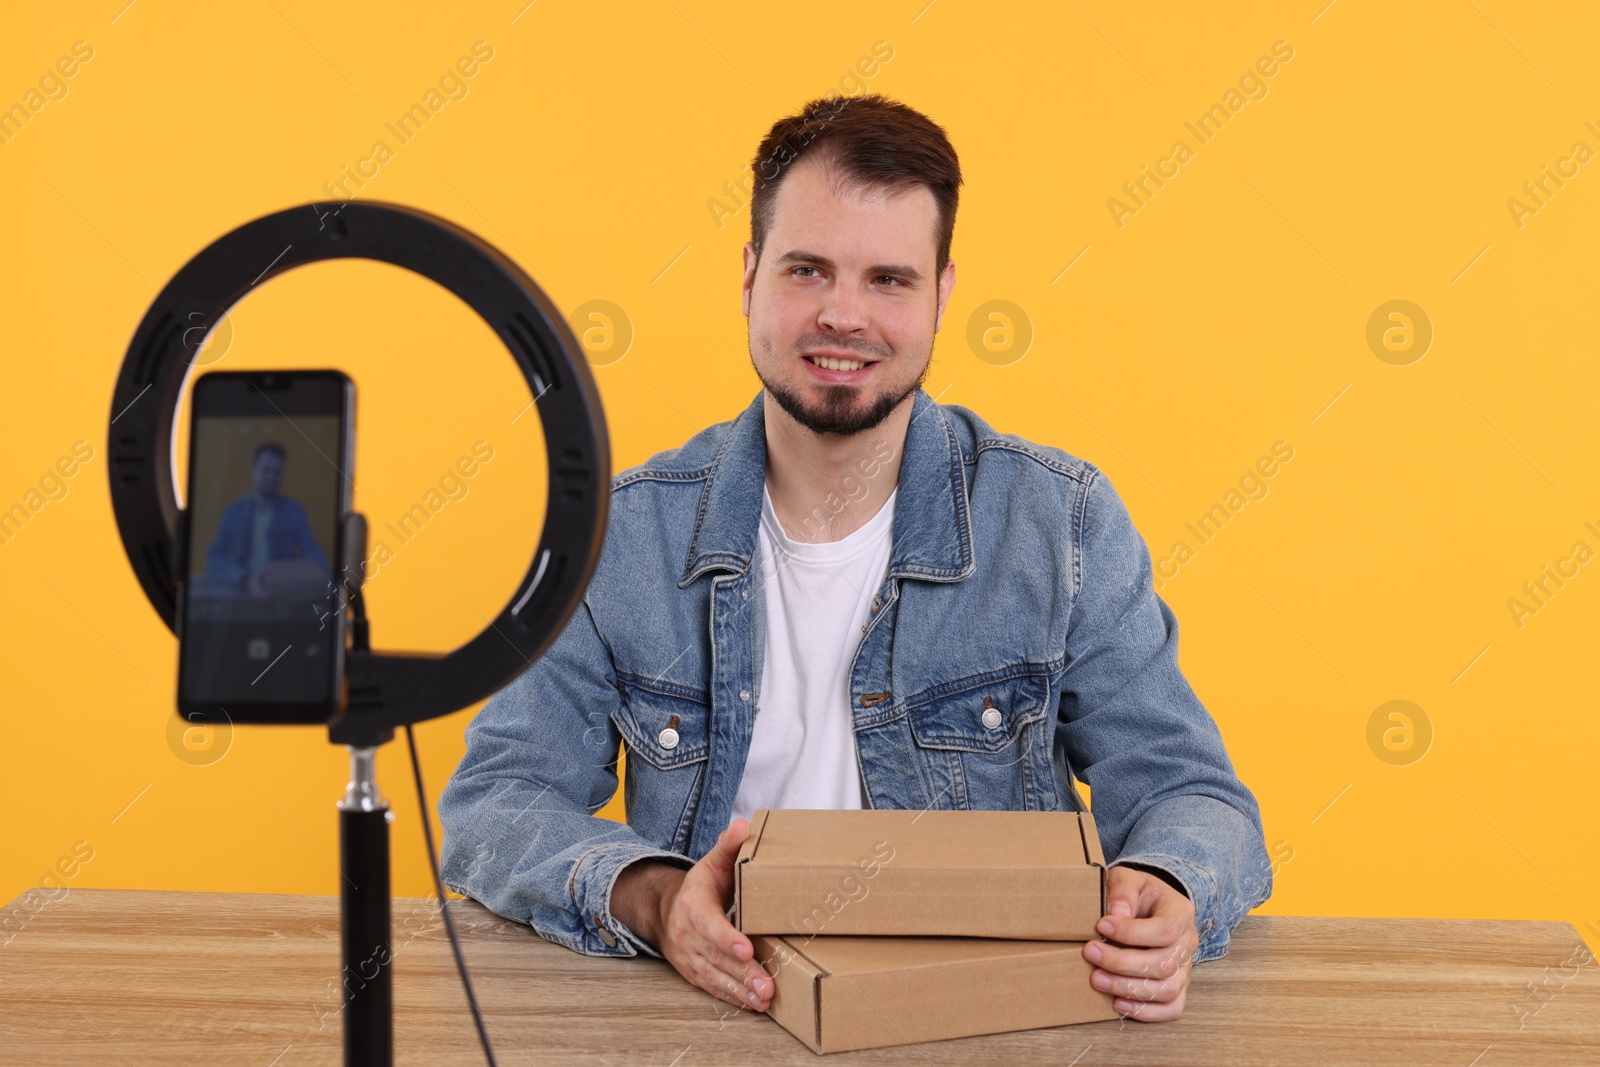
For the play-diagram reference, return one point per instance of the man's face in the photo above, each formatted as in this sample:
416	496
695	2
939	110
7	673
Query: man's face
844	277
268	472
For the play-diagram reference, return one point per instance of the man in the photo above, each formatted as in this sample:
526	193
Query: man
851	596
261	528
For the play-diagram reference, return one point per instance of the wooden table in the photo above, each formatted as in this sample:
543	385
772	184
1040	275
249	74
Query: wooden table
110	976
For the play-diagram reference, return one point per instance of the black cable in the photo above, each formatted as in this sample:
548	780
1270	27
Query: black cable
360	642
444	908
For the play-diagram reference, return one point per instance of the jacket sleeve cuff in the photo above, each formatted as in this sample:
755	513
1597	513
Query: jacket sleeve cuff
594	877
1202	890
1216	851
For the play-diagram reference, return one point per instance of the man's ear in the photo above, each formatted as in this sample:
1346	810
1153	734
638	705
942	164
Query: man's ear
751	262
947	283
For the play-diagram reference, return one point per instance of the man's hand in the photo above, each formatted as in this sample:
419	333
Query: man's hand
1153	940
684	915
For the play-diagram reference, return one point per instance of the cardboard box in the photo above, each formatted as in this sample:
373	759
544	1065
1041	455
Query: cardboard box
841	993
1031	875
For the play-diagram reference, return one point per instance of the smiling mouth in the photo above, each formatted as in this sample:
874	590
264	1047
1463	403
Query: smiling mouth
830	363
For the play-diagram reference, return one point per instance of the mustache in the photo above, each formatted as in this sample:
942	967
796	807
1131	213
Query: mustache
867	348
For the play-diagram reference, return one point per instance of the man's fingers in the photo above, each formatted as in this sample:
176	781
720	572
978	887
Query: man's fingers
724	977
704	946
717	943
722	986
1152	990
718	954
721	934
748	973
1147	1012
1165	919
702	970
1162	962
1157	930
727	984
1128	891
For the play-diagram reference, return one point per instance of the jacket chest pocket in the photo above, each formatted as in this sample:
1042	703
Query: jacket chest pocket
667	739
984	743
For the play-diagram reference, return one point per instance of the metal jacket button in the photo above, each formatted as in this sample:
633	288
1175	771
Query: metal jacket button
668	738
991	718
744	694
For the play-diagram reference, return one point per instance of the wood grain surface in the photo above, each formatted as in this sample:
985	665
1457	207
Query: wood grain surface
115	976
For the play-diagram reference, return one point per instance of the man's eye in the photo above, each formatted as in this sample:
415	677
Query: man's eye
890	277
802	268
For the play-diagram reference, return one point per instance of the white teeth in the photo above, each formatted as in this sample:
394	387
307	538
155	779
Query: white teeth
838	364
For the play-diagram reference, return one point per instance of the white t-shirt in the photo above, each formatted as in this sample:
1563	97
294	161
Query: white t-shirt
258	538
818	597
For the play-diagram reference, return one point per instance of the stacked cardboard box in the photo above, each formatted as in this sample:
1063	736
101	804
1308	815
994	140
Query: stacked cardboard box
886	927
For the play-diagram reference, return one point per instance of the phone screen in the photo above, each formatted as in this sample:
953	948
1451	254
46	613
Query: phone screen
269	487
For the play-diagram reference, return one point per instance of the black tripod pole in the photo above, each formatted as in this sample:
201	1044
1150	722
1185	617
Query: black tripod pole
368	1001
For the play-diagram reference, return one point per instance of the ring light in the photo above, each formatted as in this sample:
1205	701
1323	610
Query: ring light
384	690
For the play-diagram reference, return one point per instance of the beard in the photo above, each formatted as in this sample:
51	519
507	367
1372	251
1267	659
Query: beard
840	413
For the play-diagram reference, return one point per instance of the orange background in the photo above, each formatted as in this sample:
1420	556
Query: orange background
604	147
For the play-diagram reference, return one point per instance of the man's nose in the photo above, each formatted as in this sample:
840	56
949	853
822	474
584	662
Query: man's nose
843	310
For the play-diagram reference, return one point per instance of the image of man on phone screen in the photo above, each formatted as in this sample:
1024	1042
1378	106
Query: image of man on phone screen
263	545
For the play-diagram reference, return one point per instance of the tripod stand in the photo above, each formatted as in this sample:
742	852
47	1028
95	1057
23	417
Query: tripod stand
382	690
366	979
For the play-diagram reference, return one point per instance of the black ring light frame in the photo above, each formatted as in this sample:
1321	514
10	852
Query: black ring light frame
383	690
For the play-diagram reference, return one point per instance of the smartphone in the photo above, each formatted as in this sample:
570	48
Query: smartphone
261	608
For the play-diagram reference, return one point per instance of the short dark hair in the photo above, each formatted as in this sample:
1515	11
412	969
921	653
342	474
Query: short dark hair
871	141
275	449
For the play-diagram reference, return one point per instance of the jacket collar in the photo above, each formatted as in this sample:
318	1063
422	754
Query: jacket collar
932	532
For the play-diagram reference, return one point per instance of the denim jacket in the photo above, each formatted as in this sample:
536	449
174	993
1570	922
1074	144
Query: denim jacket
289	536
1016	583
